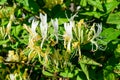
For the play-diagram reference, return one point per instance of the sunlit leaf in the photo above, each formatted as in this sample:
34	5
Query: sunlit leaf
85	70
16	30
66	74
3	41
89	61
118	26
117	51
96	3
83	3
2	2
114	18
93	13
117	69
109	34
108	75
110	6
78	78
62	20
47	73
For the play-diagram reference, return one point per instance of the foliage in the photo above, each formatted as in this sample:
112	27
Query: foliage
59	39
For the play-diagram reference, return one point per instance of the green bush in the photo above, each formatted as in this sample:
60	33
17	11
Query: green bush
59	39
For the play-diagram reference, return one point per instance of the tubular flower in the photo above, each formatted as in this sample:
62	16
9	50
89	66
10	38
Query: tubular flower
33	33
68	34
55	25
99	30
43	27
96	34
12	56
12	77
33	27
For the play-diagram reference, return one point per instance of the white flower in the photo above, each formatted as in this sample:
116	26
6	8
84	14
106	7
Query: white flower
43	18
55	25
99	30
33	26
43	26
12	77
68	29
68	34
96	34
31	18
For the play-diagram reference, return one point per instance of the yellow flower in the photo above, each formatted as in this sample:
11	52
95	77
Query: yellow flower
12	56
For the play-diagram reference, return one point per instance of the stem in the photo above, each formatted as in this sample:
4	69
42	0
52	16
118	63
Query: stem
42	43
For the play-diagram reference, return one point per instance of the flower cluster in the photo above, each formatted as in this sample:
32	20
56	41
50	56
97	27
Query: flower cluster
82	34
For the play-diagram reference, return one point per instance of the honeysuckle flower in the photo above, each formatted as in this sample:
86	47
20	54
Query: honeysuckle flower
96	34
68	34
12	56
43	18
33	33
31	18
99	30
33	27
68	29
55	25
12	77
43	26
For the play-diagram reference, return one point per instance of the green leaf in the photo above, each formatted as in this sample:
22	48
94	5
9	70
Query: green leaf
111	6
16	30
114	18
85	70
117	69
108	75
62	20
47	73
118	26
78	78
96	4
29	5
86	60
83	3
66	74
2	2
93	13
117	51
108	35
3	41
76	72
